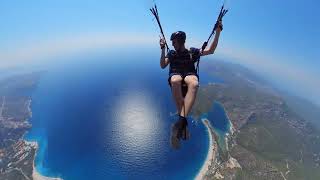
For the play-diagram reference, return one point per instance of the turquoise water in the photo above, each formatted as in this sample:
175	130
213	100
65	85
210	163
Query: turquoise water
220	122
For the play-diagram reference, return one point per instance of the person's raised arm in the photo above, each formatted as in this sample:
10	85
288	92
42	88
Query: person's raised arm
214	44
164	61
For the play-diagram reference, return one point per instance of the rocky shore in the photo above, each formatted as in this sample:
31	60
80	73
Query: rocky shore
17	156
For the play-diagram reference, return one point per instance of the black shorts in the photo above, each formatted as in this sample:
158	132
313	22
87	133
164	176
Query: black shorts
183	75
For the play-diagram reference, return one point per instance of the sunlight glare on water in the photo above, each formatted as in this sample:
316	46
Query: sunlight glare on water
137	124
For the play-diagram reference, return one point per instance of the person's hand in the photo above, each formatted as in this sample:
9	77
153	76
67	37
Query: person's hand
219	26
162	43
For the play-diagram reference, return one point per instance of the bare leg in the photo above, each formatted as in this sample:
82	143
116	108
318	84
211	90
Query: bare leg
176	81
193	84
178	130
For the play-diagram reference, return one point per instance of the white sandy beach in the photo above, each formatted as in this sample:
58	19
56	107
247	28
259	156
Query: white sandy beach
35	174
211	153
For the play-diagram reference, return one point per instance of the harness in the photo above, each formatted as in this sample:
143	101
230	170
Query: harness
183	64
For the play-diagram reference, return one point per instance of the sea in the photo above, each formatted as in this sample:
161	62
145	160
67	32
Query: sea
109	116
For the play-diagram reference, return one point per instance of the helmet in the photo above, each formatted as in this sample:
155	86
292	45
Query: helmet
179	35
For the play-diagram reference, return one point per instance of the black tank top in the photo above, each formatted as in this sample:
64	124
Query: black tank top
183	62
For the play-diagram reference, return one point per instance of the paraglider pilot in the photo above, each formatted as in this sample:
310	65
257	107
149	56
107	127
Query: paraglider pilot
182	72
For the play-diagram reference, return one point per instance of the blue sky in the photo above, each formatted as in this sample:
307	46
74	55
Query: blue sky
270	33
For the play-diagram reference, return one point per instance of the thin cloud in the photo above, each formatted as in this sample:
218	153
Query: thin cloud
68	45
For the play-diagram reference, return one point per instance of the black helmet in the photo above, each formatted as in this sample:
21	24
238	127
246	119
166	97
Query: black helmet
179	35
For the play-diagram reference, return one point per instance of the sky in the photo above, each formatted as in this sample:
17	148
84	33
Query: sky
277	38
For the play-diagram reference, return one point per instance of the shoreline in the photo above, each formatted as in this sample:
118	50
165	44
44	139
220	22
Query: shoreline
212	151
35	174
231	130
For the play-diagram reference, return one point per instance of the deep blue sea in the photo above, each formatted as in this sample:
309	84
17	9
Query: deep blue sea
108	117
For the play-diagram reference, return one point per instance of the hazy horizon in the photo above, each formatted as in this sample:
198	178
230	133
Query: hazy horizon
277	39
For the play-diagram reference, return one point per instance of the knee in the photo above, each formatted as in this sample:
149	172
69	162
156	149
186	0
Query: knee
193	85
176	80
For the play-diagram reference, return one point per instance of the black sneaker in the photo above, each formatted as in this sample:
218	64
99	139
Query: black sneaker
179	131
182	127
174	140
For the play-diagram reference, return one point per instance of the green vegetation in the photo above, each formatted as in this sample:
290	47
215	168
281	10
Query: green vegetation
16	156
277	144
272	139
304	108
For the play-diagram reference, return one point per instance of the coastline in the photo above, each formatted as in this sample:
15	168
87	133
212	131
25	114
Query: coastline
231	130
35	174
212	151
